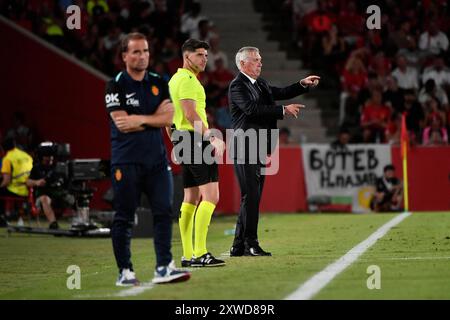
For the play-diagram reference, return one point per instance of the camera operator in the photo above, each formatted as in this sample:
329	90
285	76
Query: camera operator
389	192
49	187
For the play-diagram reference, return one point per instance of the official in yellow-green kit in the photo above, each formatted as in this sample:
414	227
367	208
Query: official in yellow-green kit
200	176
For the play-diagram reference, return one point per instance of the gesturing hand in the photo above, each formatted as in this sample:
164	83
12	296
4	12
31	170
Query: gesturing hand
293	109
310	81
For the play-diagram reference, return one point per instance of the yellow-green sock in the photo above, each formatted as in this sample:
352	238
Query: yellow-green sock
186	223
202	219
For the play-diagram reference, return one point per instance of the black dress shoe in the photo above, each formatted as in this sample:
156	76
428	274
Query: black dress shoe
256	251
236	252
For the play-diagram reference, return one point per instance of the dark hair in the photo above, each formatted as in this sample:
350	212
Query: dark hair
203	22
343	130
131	36
409	92
193	44
429	85
389	167
9	144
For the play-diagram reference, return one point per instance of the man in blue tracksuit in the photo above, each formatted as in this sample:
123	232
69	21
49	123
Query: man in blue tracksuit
139	106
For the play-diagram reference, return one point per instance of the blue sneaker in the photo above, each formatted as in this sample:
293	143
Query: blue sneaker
168	274
127	278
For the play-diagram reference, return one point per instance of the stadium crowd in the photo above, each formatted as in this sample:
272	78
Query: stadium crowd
166	23
381	73
402	67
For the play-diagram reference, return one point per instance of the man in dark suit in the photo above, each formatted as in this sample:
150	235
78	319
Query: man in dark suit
253	109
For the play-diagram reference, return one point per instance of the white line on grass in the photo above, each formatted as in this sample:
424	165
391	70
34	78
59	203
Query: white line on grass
415	258
148	286
316	283
145	286
134	291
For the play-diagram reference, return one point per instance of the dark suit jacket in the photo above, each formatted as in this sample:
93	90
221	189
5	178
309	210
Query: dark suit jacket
252	108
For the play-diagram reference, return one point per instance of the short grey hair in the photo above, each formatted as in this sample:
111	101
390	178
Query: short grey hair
242	54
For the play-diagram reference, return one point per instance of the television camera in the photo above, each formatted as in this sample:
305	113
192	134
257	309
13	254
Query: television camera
72	176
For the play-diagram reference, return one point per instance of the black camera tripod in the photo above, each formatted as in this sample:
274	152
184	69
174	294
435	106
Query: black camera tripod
82	225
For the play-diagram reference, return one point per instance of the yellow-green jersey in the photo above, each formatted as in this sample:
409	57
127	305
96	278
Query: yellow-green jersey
18	164
185	85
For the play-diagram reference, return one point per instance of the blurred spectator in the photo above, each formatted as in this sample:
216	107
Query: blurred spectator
285	137
191	19
389	192
435	134
139	13
350	22
203	31
393	129
365	93
407	77
20	132
433	109
97	7
300	8
160	68
215	53
109	48
433	41
343	139
218	83
393	96
51	26
415	117
311	27
162	21
170	54
170	50
354	74
412	54
438	72
380	65
430	90
351	116
90	46
401	38
332	50
16	167
319	20
374	118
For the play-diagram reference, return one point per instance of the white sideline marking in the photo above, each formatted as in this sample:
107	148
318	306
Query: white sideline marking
317	282
416	258
374	259
134	291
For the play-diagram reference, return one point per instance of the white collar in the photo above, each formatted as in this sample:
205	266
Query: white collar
249	78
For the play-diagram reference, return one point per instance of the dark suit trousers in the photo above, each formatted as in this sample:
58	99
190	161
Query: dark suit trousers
251	183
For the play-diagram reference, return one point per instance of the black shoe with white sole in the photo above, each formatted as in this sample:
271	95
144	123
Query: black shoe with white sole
237	251
207	260
256	251
185	263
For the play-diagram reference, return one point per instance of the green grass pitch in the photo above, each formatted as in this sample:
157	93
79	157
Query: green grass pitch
413	257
